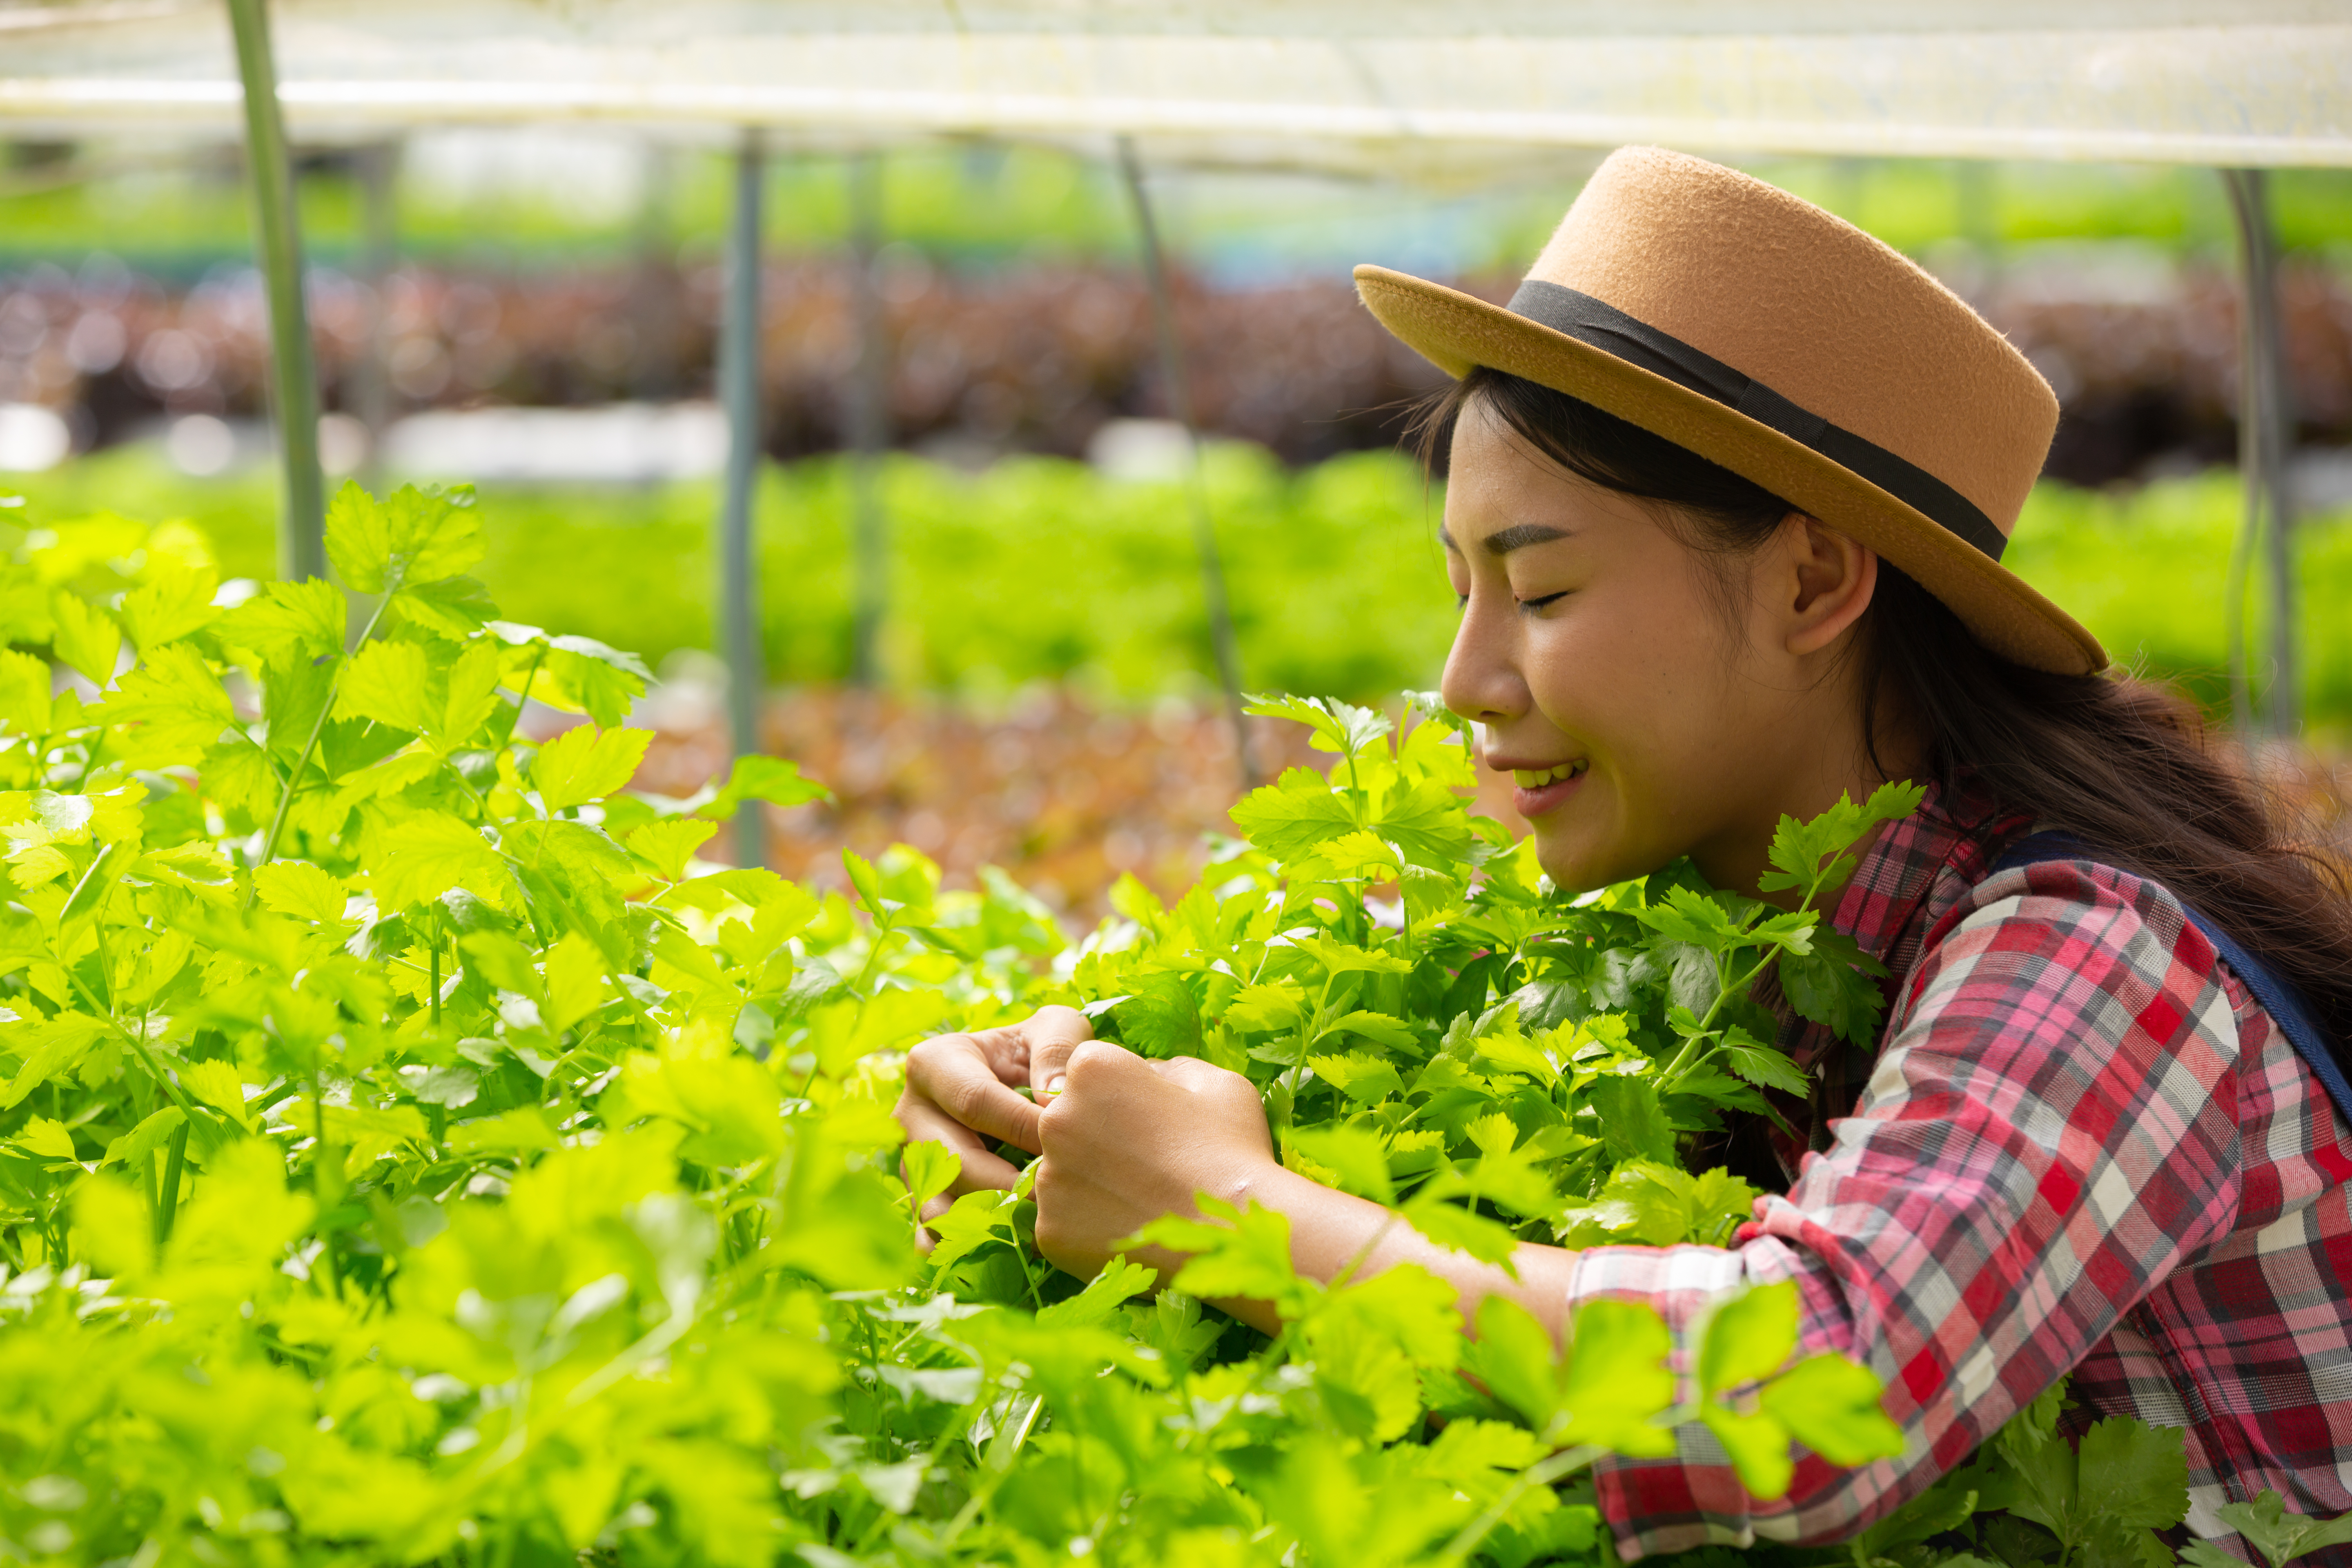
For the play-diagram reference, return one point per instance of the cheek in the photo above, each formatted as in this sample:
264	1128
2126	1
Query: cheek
1646	691
1624	678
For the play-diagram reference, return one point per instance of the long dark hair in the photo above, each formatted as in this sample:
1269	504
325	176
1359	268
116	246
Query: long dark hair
2120	763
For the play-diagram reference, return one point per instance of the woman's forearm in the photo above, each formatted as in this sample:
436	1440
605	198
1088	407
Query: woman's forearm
1330	1231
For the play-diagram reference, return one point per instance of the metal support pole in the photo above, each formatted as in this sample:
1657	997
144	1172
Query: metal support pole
1976	183
371	395
869	421
1180	403
656	300
294	389
739	390
2265	432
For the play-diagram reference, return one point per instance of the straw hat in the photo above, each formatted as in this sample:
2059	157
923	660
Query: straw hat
1787	345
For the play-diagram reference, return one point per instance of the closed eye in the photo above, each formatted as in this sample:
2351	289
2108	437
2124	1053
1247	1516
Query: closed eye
1540	602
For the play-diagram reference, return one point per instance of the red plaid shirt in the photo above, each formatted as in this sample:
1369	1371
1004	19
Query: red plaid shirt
2081	1149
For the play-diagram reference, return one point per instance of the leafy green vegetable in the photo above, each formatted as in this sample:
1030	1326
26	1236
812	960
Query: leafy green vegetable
410	1152
2278	1536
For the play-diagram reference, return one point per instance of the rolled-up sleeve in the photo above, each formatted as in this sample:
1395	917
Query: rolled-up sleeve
2050	1129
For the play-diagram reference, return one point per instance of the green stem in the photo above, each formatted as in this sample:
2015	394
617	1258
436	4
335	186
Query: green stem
481	803
1683	1061
1543	1473
1673	1071
873	955
175	1163
72	906
611	974
318	727
521	697
326	1183
1312	1030
1036	1299
105	963
1029	1423
1738	988
1001	1455
177	1095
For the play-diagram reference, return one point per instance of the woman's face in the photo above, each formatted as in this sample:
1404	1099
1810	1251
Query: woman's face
1640	724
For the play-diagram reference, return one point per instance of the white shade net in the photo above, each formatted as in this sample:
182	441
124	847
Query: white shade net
1436	92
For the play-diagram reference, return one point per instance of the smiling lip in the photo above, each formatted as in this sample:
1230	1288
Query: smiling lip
1542	789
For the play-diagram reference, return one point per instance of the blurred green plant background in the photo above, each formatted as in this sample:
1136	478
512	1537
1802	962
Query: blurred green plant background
1039	568
1042	569
982	203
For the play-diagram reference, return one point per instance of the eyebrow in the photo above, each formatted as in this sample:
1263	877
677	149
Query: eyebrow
1519	536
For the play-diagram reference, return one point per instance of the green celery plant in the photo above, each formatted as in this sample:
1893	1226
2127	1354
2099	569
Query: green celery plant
412	1152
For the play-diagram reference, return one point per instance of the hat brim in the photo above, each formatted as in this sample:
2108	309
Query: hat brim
1457	332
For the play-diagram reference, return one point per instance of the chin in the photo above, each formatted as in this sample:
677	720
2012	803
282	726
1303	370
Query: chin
1573	867
1576	863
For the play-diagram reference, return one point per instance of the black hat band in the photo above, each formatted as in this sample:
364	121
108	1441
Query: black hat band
1611	330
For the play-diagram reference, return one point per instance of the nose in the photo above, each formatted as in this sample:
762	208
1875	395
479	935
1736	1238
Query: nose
1482	679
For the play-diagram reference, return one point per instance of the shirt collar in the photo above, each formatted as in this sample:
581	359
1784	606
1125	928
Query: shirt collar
1882	900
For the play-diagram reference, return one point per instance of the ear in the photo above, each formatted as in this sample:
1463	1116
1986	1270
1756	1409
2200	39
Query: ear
1830	580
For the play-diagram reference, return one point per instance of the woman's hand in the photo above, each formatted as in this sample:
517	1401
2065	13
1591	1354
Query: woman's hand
960	1092
1126	1140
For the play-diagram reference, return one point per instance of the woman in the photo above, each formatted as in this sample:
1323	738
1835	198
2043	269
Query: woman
1729	482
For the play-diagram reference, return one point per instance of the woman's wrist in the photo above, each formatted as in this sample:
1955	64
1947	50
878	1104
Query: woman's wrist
1329	1229
1334	1234
1262	1181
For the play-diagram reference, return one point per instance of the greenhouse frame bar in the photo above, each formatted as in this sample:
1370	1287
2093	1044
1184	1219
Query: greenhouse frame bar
737	555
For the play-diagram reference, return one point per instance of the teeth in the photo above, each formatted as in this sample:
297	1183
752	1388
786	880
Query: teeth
1532	778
